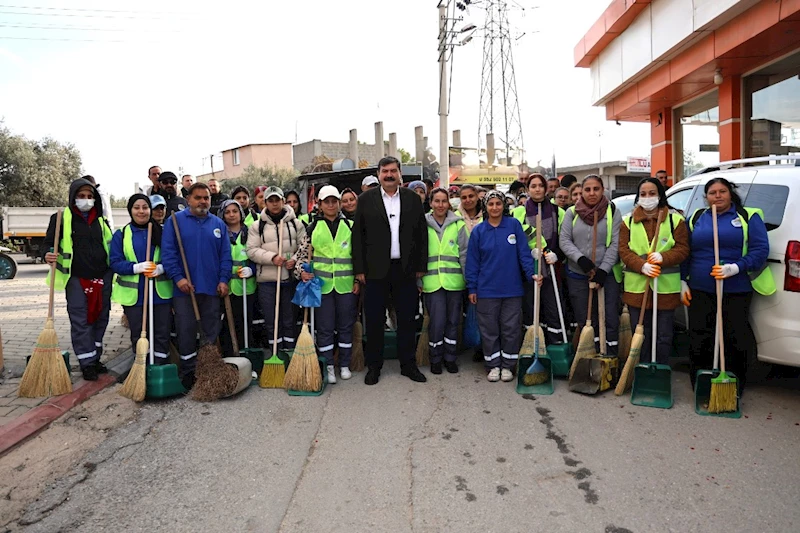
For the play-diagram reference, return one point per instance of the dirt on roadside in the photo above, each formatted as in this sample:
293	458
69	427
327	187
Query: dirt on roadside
27	470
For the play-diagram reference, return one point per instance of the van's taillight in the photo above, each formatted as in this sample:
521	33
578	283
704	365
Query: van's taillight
791	280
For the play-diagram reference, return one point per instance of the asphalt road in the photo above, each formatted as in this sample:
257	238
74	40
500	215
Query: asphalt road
454	454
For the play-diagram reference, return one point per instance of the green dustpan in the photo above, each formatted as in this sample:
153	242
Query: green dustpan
561	356
545	388
652	383
163	381
254	355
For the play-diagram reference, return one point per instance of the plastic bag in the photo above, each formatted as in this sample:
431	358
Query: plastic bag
472	335
308	293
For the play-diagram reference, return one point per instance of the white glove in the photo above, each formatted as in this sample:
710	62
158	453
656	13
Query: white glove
686	294
159	271
535	254
655	258
650	270
245	272
155	272
724	271
138	268
550	258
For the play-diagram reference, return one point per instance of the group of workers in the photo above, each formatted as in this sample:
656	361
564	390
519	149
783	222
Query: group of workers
395	246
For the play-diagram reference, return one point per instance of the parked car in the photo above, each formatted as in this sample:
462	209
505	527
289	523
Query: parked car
624	204
771	188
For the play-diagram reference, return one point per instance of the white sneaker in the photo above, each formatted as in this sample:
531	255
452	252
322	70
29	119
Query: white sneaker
345	372
331	374
494	375
506	375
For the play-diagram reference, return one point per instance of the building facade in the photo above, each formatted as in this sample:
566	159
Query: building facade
235	160
717	80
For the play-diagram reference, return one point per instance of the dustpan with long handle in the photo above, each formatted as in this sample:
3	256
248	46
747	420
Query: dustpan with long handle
652	383
560	354
274	359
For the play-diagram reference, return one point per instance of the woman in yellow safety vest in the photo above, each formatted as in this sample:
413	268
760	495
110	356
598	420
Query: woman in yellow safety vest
328	246
128	255
672	248
82	271
242	277
443	284
743	252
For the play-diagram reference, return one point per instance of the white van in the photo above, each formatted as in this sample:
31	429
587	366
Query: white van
774	188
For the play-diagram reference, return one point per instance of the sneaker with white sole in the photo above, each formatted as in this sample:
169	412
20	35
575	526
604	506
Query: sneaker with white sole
345	372
494	375
331	374
506	375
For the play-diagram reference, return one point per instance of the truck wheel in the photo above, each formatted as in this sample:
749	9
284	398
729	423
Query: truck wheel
8	267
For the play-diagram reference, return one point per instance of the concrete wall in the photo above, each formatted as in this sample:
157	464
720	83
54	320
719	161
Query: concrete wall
305	153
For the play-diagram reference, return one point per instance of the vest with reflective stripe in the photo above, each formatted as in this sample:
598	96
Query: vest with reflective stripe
239	256
125	290
64	262
761	280
444	268
669	282
530	232
249	219
333	258
617	269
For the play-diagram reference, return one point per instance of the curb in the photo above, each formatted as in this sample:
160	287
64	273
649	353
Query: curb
38	418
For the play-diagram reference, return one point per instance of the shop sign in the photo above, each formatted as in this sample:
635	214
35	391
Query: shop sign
639	165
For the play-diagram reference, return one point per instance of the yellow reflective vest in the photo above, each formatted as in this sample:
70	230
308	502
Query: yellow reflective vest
239	256
64	261
125	289
444	268
333	257
669	282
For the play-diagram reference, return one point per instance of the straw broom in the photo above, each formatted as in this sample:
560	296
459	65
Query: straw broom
274	371
626	377
624	335
46	373
585	347
423	349
723	387
135	385
215	379
304	373
357	358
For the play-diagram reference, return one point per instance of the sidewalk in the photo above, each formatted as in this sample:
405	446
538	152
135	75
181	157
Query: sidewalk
22	316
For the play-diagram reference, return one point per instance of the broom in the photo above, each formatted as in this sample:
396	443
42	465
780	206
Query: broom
423	349
357	358
214	378
624	335
536	374
274	371
231	325
135	385
46	373
626	377
723	387
304	373
585	347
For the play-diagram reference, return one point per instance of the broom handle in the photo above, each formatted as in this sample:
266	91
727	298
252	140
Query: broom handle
594	255
716	341
231	325
601	318
719	291
146	292
277	295
185	266
56	245
152	330
536	290
558	304
244	313
654	327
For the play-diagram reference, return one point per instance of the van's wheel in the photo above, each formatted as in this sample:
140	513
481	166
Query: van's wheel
8	267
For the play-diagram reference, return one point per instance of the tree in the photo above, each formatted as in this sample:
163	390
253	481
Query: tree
253	176
121	201
690	163
36	173
405	157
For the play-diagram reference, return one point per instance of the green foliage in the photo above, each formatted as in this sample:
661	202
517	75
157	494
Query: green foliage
405	157
690	163
121	201
36	173
253	176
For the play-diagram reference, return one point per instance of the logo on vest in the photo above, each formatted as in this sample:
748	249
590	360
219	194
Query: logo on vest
512	239
243	253
451	243
217	233
181	207
736	223
344	245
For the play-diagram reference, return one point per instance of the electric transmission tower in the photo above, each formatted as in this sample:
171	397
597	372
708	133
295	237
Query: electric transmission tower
499	106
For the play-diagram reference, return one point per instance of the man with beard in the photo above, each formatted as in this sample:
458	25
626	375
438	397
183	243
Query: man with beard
217	197
169	181
208	256
390	252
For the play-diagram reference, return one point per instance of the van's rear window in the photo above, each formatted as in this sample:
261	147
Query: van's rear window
771	199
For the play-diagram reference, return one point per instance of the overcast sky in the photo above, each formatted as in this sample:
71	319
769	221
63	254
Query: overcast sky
168	82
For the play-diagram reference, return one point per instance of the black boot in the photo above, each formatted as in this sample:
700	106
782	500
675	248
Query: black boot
89	372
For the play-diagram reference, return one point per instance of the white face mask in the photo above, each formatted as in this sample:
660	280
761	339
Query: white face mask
649	203
83	204
455	202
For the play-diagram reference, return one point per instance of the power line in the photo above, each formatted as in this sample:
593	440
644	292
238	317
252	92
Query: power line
81	28
92	10
81	15
7	37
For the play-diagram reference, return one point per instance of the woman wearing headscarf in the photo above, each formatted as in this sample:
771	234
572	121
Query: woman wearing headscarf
242	196
422	191
258	200
641	267
743	252
497	253
603	272
349	203
241	278
128	261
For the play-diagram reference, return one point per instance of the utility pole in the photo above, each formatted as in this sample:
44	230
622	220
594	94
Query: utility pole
444	146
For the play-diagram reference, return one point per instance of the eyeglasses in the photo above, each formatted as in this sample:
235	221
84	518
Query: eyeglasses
169	182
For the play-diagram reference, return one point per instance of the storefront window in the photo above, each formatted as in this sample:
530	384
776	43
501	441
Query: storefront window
696	136
772	104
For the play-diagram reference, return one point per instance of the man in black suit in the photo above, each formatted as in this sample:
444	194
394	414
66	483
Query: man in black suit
390	251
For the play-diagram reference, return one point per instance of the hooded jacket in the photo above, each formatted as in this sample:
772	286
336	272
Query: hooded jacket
89	258
262	245
463	236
